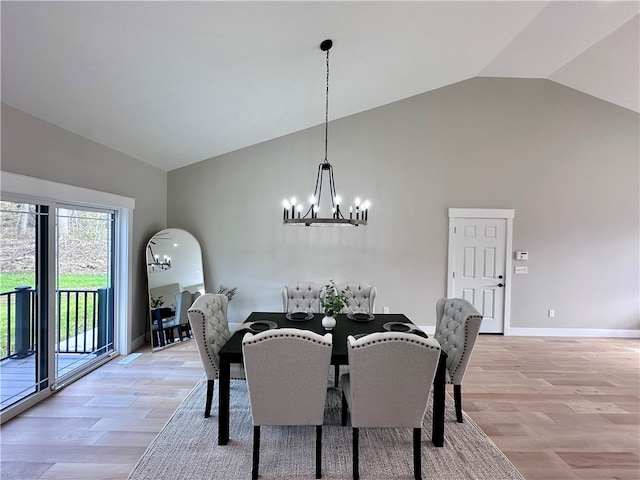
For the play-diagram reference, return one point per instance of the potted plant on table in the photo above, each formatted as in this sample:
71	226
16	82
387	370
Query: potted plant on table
157	302
332	302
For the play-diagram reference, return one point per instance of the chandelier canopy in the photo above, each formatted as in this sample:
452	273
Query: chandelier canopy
293	209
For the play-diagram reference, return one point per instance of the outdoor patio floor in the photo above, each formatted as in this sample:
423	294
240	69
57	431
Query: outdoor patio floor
18	375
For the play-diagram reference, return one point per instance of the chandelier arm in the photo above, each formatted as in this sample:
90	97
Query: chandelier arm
318	191
332	188
316	195
153	257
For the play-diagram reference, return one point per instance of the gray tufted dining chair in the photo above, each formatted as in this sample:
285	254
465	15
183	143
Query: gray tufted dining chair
183	302
388	386
457	328
361	296
301	297
208	319
286	377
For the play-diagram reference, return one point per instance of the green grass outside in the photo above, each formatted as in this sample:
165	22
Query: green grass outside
8	282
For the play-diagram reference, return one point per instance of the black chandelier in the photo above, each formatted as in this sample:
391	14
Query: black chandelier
293	209
156	264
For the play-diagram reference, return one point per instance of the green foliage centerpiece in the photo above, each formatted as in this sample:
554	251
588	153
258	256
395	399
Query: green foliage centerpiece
332	302
157	302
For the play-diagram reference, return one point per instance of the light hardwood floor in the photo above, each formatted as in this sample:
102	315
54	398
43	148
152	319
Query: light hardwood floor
559	408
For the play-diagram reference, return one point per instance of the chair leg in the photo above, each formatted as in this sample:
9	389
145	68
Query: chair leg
457	396
417	454
356	463
180	332
256	452
318	451
207	408
345	410
168	335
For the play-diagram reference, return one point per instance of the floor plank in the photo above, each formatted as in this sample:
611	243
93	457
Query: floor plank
560	409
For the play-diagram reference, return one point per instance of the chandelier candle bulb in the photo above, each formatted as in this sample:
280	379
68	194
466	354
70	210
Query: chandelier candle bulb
293	207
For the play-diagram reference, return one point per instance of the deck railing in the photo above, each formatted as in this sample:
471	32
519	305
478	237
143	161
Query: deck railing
82	315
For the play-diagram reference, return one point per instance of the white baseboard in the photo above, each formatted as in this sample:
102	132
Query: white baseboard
573	332
135	344
559	332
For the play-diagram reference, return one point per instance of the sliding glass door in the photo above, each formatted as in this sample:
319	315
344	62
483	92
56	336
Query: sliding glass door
23	279
84	288
56	295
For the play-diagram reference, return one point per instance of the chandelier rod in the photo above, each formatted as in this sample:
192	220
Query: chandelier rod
326	106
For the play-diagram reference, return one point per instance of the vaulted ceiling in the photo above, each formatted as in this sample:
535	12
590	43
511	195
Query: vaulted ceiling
173	83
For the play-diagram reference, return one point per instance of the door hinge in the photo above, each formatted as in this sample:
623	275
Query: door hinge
455	230
454	274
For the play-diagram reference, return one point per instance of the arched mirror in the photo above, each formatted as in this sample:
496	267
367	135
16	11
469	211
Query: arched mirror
175	279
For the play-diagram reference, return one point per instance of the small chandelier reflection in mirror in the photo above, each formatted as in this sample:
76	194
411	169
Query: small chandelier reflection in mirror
293	209
156	264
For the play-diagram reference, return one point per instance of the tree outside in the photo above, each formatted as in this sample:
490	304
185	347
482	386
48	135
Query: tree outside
83	257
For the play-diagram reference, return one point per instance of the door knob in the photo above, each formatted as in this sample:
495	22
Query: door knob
500	276
500	285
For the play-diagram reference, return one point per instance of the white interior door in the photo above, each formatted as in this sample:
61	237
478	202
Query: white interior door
480	263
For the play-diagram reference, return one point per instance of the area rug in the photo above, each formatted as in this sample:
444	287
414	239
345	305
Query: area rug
187	447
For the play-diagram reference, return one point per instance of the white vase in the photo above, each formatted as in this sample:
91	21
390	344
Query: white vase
328	322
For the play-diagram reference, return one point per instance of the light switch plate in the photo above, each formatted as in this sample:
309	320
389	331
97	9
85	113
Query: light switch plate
520	270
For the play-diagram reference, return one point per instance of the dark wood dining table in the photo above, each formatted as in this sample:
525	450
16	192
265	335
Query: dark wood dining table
231	352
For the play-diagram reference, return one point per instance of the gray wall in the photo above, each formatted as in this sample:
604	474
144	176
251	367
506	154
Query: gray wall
566	162
39	149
